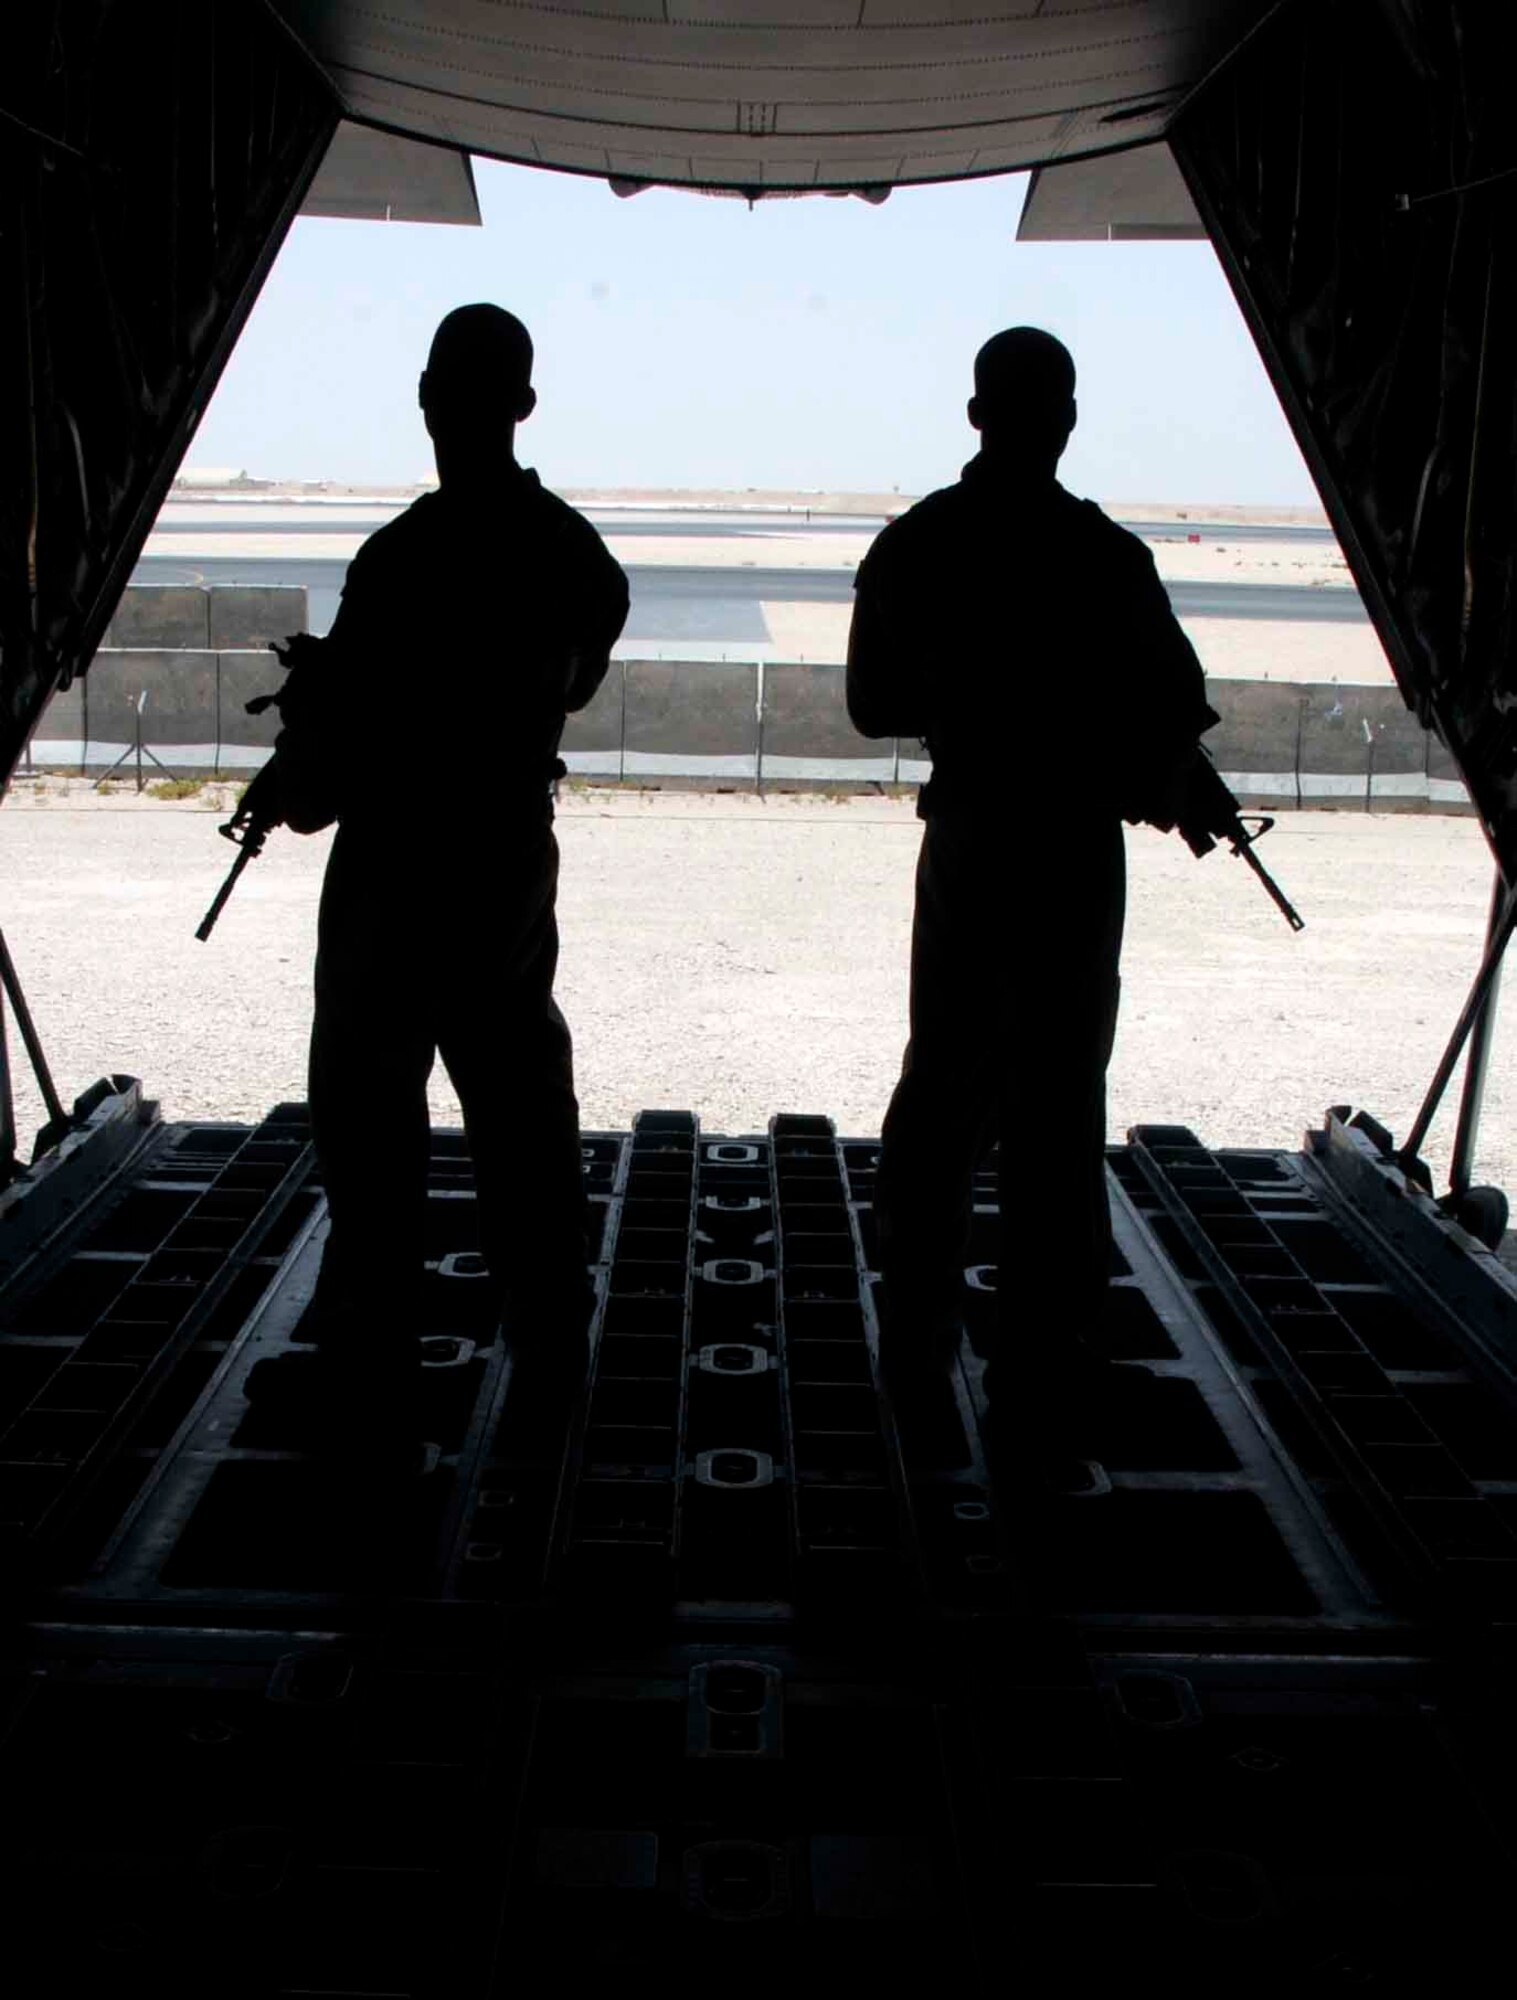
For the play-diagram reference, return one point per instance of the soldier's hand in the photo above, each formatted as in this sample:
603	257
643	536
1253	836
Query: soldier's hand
304	694
300	649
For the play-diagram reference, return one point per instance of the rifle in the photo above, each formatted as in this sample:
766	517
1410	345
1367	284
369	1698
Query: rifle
249	827
258	811
1210	813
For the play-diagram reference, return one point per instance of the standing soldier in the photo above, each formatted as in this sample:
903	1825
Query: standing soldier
1027	641
468	627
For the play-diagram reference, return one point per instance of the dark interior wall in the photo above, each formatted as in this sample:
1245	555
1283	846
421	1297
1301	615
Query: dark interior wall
152	155
1356	165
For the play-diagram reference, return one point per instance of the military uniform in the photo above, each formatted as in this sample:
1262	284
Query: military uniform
1028	641
467	629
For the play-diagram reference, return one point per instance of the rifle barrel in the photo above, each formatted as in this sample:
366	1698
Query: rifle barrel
1243	844
246	853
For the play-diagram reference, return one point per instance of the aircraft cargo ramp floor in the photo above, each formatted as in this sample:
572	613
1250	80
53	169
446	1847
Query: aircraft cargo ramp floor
742	1674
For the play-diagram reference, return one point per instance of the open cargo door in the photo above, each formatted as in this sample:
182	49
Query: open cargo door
1355	163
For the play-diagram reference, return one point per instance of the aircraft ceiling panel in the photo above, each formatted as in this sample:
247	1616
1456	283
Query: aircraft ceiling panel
924	166
773	93
914	66
776	13
786	160
942	13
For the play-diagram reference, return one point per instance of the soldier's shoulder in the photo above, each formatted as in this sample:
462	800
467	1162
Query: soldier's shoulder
555	509
406	526
919	527
563	525
1094	525
932	511
393	545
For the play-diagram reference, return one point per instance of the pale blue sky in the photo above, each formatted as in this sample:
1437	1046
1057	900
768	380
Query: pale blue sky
688	341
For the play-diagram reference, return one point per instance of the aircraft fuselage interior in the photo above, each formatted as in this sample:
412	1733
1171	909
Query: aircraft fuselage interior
734	1676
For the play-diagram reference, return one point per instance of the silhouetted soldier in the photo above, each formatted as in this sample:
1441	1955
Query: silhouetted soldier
1027	640
429	726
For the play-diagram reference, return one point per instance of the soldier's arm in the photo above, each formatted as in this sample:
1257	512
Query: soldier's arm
884	686
320	707
1172	710
601	601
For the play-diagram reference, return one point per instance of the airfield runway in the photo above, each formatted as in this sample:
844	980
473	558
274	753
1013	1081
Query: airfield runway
1260	597
726	605
742	956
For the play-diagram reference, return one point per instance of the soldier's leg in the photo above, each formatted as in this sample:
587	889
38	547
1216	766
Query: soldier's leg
1055	1224
1090	1215
939	1119
1055	1233
522	1120
508	1050
370	1057
933	1135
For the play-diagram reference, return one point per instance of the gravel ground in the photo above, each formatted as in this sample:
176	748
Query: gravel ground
742	957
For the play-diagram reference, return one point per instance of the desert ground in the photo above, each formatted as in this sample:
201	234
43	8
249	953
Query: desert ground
742	956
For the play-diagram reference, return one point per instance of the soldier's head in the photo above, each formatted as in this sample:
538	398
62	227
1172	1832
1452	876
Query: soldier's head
1023	404
477	384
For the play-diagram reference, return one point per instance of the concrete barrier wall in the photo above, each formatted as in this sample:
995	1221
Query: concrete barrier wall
160	616
177	693
61	728
680	723
194	655
220	618
243	619
1397	748
192	713
807	734
592	739
1279	743
1445	787
1259	732
1285	743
